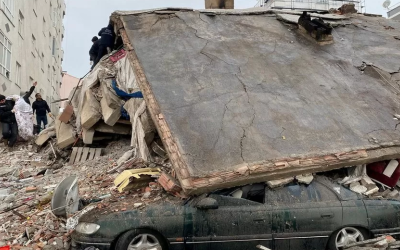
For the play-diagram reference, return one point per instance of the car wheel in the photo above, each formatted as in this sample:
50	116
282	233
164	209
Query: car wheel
139	239
346	236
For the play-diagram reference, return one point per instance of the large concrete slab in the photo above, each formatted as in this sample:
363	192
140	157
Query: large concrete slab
242	98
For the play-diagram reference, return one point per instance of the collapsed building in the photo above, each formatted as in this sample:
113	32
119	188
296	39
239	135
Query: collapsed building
212	99
238	97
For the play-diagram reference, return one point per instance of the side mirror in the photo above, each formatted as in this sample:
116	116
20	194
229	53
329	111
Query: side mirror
207	203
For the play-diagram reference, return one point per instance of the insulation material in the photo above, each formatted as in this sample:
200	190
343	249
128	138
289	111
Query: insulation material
125	76
138	108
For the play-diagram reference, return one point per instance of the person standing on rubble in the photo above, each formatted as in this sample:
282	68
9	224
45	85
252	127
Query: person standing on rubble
8	122
106	42
94	50
26	95
41	108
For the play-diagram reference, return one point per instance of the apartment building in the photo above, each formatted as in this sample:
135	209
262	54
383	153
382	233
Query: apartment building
31	33
394	12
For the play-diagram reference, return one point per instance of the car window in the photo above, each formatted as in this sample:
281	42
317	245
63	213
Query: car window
255	193
344	193
297	193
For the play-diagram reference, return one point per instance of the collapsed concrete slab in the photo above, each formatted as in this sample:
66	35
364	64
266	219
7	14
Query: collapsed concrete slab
65	134
112	100
90	113
110	115
255	101
120	129
45	135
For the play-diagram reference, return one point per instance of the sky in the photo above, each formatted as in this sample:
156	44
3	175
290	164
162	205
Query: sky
84	19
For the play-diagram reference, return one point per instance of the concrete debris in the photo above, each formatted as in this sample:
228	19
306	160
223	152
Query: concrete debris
45	135
305	179
65	134
279	183
90	113
26	197
169	183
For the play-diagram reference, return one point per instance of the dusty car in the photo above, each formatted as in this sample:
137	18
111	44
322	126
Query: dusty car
321	215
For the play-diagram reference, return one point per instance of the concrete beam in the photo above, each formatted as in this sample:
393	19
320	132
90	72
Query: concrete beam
110	115
120	129
65	134
88	135
90	113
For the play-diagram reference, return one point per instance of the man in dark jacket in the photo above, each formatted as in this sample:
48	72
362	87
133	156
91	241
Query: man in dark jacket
27	95
106	41
8	122
94	50
41	108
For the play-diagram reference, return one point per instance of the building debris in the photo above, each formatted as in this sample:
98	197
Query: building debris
135	178
305	178
316	28
279	183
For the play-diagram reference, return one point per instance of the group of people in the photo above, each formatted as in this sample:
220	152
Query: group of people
16	116
103	45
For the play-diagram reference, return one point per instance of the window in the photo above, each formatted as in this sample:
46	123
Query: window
42	62
34	42
5	55
53	48
8	7
18	74
254	192
20	24
44	26
295	193
48	73
51	40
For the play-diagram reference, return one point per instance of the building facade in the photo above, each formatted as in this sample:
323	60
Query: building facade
68	84
31	33
318	5
394	12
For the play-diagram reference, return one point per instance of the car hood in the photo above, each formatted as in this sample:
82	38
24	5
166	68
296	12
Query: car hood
126	209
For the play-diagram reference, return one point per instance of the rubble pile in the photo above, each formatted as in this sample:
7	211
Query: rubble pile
380	243
28	180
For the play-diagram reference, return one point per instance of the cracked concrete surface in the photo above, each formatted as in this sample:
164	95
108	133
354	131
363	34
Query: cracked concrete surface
238	89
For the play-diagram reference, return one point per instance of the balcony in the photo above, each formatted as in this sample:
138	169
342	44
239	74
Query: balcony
394	12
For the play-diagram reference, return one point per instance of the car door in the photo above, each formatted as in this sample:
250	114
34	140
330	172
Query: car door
238	223
304	216
383	216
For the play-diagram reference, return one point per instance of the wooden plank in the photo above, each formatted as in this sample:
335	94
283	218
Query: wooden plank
78	155
73	156
92	153
98	153
84	154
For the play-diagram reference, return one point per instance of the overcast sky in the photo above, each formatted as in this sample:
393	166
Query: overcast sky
84	19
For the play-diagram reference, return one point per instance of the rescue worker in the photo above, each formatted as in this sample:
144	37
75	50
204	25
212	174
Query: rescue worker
94	50
27	95
106	42
8	122
41	108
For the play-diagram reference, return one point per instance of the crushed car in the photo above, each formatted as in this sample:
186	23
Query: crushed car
321	215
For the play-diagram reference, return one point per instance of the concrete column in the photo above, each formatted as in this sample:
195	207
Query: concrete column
220	4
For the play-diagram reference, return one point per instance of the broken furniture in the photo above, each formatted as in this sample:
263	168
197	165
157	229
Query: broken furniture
385	172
